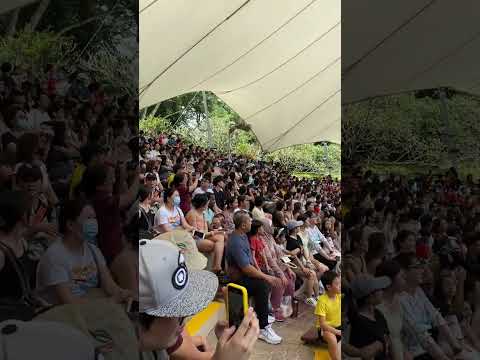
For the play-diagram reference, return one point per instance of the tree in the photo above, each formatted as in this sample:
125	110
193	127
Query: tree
408	129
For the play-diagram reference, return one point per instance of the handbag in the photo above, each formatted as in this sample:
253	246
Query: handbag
27	305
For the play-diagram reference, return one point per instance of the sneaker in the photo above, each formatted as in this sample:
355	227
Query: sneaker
269	336
311	301
279	316
271	319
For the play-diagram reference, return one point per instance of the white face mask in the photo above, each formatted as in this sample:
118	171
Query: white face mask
21	121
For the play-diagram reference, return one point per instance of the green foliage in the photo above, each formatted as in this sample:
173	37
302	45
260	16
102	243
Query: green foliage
309	159
33	50
185	116
82	18
155	125
114	70
403	129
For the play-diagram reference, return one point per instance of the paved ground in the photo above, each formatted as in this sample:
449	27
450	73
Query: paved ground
291	347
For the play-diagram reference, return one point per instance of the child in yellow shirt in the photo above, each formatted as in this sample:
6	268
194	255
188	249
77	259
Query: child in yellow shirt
329	313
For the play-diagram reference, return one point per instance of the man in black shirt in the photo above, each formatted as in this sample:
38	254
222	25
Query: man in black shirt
219	185
369	327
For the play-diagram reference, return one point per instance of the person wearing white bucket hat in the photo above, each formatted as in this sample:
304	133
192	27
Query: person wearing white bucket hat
169	292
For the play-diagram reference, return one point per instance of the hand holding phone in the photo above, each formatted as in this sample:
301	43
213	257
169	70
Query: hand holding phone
199	234
237	304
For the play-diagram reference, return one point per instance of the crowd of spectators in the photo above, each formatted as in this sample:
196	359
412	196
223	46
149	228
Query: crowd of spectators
68	188
411	267
259	227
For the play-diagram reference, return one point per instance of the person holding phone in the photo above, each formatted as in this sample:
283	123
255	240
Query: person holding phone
207	241
184	293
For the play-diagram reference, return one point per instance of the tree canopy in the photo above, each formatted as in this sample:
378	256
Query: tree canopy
411	129
185	116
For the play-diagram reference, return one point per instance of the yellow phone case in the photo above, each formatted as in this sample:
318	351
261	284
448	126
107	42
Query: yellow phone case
245	298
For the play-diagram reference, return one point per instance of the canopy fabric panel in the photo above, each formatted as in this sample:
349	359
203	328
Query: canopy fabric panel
8	5
276	63
397	46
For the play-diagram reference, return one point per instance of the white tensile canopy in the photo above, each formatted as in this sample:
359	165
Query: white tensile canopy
397	46
276	63
8	5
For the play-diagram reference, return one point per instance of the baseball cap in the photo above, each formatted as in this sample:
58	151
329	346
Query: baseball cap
167	288
21	340
186	244
292	224
365	285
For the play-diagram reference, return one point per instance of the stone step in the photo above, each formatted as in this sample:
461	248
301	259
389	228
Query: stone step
203	323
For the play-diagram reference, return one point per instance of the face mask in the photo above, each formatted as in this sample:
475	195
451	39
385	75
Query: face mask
22	121
176	201
90	230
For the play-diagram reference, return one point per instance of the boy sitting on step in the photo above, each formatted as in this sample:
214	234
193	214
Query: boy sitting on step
329	316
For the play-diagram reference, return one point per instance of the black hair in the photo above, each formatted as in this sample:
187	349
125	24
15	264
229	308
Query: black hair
328	277
401	237
200	200
143	193
376	246
70	212
259	200
94	176
29	173
217	180
308	214
168	193
256	225
89	151
280	205
389	268
406	260
13	206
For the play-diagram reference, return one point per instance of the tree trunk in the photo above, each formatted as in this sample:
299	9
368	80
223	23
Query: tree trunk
12	25
37	16
77	25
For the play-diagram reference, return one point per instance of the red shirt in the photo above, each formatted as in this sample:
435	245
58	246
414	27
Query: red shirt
185	198
257	246
107	209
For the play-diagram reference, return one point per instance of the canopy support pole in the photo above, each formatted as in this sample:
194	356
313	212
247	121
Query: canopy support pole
446	121
209	126
230	133
325	156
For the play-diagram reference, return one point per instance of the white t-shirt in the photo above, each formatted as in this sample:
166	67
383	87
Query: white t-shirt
165	216
59	265
38	117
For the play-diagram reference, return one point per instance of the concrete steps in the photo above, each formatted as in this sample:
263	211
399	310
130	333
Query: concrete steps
203	323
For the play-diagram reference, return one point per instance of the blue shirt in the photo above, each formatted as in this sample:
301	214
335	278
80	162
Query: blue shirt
238	251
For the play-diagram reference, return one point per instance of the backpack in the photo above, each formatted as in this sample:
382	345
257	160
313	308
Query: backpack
27	306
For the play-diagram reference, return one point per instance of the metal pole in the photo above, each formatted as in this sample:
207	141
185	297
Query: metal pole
230	133
446	122
325	156
209	127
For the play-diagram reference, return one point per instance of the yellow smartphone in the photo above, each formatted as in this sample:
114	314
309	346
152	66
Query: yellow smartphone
237	304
